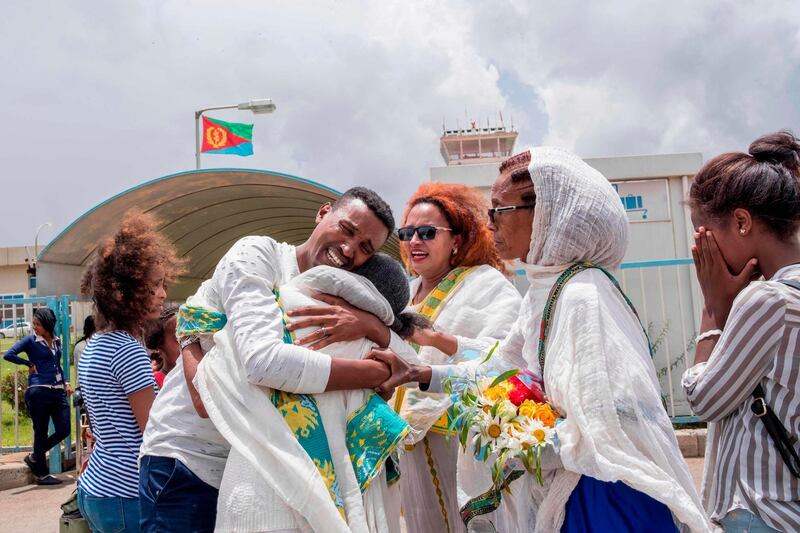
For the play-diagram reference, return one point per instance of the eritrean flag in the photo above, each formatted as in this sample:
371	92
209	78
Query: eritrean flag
220	137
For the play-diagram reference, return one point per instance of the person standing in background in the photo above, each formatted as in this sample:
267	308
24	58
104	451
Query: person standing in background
46	397
88	331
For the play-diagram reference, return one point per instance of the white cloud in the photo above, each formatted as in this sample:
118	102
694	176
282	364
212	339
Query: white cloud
100	97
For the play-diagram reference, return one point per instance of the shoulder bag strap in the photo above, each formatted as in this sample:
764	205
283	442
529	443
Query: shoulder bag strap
777	432
780	437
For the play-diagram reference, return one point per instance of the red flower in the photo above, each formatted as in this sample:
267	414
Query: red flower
526	386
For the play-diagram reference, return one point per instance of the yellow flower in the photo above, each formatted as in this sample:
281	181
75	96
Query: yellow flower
546	414
528	408
494	430
539	434
498	392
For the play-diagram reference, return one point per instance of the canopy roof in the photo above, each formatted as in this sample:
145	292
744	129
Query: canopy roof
202	213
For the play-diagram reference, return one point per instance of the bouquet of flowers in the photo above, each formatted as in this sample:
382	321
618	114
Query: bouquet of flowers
507	417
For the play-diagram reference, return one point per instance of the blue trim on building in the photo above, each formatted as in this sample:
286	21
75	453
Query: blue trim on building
650	264
639	264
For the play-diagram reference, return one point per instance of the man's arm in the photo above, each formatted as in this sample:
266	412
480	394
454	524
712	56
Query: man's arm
348	374
191	356
244	280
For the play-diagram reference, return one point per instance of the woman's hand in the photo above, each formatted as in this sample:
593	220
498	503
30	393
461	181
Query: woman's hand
339	321
69	389
718	284
32	370
423	337
443	342
402	371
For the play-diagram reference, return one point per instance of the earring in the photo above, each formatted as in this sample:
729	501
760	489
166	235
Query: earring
741	231
455	251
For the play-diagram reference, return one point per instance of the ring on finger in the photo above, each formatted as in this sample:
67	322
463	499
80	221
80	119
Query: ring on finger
324	331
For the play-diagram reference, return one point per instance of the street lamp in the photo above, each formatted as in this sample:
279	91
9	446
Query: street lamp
36	240
258	107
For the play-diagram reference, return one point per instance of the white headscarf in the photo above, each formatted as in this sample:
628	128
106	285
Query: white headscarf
578	215
599	371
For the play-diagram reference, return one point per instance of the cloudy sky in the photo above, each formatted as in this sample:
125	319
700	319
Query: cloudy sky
98	96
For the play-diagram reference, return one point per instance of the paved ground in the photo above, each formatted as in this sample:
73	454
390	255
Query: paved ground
34	509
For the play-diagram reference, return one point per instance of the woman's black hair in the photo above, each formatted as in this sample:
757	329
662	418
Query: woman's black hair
391	280
765	181
154	333
47	318
89	328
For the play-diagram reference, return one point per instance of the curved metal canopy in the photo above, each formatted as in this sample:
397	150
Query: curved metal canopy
203	213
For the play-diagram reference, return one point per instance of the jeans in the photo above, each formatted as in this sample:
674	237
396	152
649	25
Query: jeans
109	515
174	500
743	521
44	404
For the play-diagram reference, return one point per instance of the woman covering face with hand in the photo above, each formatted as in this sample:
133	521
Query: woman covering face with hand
746	208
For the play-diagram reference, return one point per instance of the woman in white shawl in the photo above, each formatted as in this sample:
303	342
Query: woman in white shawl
461	286
333	444
618	467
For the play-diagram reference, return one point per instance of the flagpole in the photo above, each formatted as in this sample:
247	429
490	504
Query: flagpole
197	115
258	107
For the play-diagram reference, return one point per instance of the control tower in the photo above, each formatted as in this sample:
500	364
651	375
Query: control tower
473	155
476	145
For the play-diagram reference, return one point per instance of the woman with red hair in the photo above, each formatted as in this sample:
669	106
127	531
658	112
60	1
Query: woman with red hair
461	286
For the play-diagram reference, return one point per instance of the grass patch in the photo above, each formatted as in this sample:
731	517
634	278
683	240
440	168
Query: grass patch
8	432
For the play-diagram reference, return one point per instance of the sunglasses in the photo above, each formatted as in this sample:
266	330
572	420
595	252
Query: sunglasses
494	210
426	233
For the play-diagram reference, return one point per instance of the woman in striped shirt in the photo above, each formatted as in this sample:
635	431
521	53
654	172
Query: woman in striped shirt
127	282
746	208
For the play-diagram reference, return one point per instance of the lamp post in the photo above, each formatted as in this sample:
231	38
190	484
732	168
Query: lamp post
260	106
36	241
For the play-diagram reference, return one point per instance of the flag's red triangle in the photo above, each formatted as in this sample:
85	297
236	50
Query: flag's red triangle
217	137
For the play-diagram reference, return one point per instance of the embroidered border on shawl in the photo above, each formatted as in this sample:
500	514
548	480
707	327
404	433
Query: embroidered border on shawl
198	320
430	309
555	292
373	432
301	413
489	500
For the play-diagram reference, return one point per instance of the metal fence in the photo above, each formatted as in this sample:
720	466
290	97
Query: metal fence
18	313
667	298
669	302
665	294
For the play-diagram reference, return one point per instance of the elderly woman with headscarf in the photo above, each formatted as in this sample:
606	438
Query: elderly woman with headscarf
618	466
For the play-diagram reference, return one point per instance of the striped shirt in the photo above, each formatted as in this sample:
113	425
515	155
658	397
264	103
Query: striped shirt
113	366
760	344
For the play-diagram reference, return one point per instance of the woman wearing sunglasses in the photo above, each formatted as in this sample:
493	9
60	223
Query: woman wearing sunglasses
461	286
